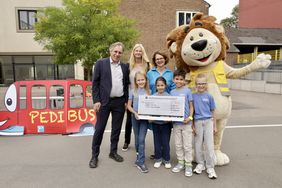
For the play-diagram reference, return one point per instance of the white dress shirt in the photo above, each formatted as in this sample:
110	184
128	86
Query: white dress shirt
117	76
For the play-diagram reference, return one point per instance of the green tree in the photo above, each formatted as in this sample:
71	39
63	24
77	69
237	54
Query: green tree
231	21
83	30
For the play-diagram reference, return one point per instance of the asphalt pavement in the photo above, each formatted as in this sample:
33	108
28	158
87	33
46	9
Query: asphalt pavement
252	140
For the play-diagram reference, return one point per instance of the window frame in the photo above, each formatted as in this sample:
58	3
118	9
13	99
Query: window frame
41	104
73	88
57	98
18	19
185	13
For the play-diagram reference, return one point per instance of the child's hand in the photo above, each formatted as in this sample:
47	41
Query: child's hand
186	120
214	129
194	130
136	116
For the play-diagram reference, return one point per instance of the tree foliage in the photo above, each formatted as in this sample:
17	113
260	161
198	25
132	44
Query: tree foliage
83	30
231	21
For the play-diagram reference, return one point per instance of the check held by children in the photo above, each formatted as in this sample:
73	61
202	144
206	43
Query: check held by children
164	108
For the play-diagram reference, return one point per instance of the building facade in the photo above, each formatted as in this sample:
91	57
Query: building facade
22	58
155	19
260	14
258	31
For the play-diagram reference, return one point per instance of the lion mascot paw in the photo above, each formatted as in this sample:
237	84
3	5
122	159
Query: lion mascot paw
262	61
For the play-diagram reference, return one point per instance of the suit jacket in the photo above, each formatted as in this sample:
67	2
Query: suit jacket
102	81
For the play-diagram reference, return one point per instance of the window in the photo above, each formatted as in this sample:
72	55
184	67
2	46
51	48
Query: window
2	99
76	96
7	74
184	17
22	97
44	70
38	96
66	71
89	101
26	19
56	97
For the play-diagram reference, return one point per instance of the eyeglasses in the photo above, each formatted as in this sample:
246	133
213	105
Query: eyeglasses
201	84
159	59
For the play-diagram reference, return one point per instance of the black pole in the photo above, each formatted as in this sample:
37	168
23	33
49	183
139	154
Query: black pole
33	64
14	69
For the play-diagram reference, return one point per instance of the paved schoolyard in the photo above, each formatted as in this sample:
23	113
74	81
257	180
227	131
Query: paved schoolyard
252	141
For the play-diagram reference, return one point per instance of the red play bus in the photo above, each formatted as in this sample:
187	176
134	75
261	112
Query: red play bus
46	107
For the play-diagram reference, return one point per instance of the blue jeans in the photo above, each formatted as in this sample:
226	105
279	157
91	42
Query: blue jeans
161	134
140	130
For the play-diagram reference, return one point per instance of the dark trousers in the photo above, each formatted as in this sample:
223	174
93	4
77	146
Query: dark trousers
162	134
128	128
117	108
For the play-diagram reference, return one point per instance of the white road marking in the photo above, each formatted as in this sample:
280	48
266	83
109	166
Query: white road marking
108	131
253	126
234	127
228	127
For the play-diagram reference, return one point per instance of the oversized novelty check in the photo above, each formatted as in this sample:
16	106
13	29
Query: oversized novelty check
166	108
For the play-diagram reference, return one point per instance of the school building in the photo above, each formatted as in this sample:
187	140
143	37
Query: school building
22	58
258	32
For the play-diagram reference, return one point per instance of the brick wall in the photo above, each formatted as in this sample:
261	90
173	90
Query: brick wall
155	18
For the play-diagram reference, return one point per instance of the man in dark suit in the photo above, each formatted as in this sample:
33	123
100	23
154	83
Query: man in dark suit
110	94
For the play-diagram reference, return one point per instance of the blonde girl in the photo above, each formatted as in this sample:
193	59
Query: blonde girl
139	126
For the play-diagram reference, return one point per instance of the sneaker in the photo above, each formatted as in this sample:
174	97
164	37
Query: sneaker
136	163
125	147
211	173
157	164
188	171
199	168
178	167
12	131
167	165
142	168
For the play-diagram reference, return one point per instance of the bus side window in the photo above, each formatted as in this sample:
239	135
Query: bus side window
22	97
76	96
56	100
3	93
38	96
89	101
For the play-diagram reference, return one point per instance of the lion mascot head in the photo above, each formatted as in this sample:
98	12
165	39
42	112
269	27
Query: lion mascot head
198	44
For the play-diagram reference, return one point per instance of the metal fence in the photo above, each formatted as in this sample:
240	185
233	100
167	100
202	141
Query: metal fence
273	74
270	76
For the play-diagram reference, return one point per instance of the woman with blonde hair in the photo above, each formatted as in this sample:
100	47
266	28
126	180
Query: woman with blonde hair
138	62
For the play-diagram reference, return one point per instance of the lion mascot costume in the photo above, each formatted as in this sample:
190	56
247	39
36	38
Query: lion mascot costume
200	47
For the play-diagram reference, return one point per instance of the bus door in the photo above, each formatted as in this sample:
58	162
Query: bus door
80	112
